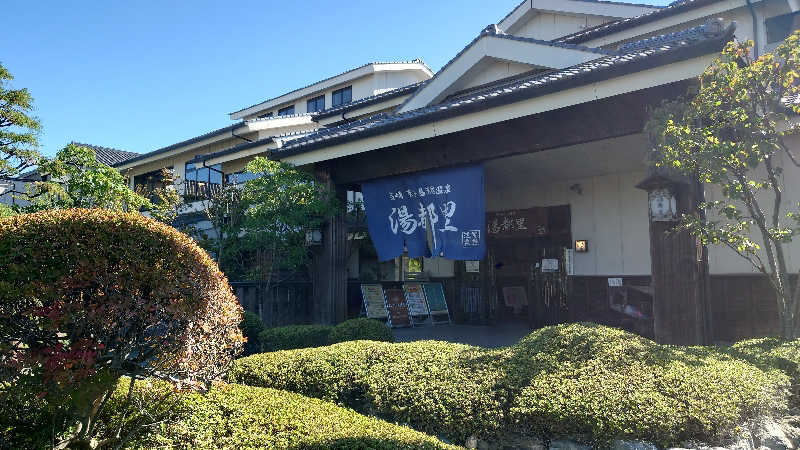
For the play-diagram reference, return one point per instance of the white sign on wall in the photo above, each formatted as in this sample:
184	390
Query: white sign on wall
472	266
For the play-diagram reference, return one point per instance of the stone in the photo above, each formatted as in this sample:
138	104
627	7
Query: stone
632	445
771	434
567	445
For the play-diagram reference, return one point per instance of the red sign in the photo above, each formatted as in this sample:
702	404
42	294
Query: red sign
398	309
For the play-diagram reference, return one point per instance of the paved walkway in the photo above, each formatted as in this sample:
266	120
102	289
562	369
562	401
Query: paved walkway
483	336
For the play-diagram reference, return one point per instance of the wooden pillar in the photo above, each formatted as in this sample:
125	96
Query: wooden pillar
330	265
679	271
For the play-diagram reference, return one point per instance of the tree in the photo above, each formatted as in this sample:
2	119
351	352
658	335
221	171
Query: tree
19	131
90	295
732	134
77	180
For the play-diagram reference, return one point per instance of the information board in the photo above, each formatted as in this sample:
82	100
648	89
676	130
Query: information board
374	302
435	296
415	299
398	309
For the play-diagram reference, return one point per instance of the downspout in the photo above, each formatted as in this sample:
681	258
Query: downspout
755	28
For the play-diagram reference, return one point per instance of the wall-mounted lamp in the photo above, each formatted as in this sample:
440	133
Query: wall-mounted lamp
581	246
314	237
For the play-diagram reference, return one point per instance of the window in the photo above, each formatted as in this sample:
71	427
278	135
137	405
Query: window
342	96
780	27
288	111
316	104
147	183
269	114
201	182
239	178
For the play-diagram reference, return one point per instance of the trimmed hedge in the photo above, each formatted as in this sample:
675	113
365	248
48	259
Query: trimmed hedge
306	336
251	327
581	381
773	354
236	416
294	336
361	329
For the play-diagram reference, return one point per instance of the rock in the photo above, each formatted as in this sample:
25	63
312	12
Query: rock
567	445
632	445
772	435
472	442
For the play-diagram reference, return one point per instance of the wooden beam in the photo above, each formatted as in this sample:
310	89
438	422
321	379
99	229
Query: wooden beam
603	119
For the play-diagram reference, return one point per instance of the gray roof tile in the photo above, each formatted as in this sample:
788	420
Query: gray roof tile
107	155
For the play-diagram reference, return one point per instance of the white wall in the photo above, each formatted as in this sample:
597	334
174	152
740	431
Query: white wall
547	26
611	213
491	70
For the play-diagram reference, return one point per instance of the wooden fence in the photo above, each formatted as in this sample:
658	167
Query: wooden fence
287	303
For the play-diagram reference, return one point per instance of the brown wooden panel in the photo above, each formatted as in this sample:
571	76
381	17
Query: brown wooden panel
742	306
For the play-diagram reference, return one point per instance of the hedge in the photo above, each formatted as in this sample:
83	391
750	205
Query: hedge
236	416
581	381
252	326
306	336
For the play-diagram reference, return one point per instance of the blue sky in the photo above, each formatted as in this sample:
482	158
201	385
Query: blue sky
141	75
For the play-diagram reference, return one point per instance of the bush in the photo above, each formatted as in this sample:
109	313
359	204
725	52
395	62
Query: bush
294	336
581	381
251	327
773	354
236	416
360	329
91	295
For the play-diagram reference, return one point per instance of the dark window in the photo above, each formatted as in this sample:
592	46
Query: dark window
342	96
288	111
316	104
147	183
780	27
269	114
201	182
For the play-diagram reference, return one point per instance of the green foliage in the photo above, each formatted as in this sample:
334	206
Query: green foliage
732	134
87	295
6	211
19	131
773	354
235	416
79	181
581	381
294	336
360	329
251	327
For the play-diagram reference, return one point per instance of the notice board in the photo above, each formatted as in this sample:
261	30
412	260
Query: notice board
434	293
398	309
415	299
374	302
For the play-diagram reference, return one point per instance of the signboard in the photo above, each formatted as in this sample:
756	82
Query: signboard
515	297
374	302
549	265
472	266
400	210
398	310
517	223
415	299
435	295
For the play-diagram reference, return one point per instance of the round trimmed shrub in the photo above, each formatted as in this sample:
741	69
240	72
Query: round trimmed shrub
294	336
90	295
360	329
251	327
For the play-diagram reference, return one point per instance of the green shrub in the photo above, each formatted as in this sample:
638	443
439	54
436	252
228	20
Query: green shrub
294	336
773	354
251	327
236	416
581	381
360	329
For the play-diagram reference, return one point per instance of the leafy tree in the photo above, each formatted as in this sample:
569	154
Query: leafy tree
732	135
104	295
19	131
165	201
78	180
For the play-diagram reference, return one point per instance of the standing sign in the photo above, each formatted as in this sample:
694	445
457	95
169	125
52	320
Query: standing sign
399	210
434	293
374	302
415	299
398	309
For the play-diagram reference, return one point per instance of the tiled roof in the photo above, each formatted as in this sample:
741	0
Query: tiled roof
284	116
245	146
107	155
701	40
673	8
217	132
366	101
588	1
413	61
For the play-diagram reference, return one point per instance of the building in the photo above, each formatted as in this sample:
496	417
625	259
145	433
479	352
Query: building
550	104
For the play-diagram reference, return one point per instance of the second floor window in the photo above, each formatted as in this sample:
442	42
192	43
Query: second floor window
342	96
201	182
316	104
288	111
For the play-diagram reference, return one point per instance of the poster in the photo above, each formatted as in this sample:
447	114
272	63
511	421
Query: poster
515	297
435	296
472	266
398	310
415	299
446	204
373	301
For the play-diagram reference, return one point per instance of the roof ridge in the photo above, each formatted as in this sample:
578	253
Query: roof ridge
93	147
